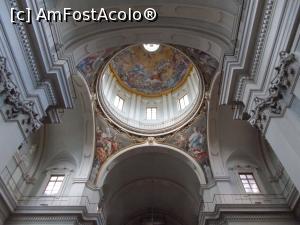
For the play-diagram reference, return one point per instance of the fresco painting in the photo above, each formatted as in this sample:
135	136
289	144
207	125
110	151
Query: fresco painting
192	140
148	73
89	65
108	141
205	63
136	73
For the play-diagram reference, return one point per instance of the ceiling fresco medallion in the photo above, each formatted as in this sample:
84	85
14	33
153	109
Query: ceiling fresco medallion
151	74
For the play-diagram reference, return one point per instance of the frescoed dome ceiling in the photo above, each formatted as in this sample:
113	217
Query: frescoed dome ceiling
151	73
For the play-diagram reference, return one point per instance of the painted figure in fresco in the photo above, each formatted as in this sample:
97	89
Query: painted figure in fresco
180	141
195	140
87	66
106	145
150	73
90	64
196	144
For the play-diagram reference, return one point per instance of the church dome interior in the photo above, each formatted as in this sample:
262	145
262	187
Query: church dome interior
188	118
150	92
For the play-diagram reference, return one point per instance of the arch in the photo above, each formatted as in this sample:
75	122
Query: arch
214	147
126	153
111	39
81	86
63	159
238	158
153	175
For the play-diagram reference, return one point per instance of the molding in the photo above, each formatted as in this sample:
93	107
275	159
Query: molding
228	218
46	71
247	73
254	213
259	49
38	219
234	65
24	39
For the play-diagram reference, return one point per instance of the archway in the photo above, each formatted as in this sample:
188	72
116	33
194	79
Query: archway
151	181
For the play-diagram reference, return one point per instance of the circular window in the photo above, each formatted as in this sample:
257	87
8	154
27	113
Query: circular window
151	47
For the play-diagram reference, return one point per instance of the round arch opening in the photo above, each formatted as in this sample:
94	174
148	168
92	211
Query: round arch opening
151	180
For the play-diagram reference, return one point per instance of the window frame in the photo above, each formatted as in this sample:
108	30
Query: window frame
186	101
248	182
151	113
119	99
60	187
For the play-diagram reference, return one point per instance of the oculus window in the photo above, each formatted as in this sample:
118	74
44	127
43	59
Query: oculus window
151	47
183	102
54	185
249	183
119	102
151	113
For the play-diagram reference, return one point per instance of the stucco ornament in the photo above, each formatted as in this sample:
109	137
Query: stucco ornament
14	106
274	103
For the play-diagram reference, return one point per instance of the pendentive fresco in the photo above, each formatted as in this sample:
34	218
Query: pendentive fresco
191	140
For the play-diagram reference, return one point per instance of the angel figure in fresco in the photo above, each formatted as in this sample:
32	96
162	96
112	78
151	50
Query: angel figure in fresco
101	155
114	145
196	144
88	66
180	141
195	140
106	144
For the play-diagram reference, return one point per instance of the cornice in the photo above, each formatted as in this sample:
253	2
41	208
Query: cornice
46	70
24	39
246	213
259	49
235	65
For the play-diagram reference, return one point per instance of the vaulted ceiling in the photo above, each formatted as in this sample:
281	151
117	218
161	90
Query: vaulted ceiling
210	26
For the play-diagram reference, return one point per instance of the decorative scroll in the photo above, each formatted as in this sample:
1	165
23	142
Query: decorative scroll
14	106
274	103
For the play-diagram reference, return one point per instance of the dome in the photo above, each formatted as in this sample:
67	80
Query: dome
150	73
147	89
